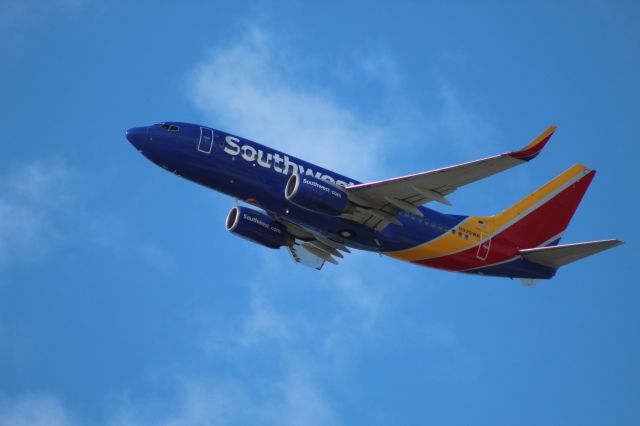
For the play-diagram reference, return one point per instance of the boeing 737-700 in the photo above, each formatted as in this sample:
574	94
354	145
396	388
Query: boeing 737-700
319	215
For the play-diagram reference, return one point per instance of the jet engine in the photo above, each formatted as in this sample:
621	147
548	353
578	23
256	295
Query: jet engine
257	227
316	195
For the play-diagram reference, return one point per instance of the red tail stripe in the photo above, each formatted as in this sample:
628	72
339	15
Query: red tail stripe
539	226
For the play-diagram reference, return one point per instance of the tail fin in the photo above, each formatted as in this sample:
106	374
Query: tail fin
541	217
557	256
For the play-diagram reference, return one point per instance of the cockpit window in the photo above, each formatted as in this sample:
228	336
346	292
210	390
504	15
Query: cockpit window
168	127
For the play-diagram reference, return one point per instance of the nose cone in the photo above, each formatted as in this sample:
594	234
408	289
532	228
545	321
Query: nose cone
137	136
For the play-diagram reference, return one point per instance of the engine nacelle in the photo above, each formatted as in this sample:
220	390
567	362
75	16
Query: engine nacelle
316	195
257	227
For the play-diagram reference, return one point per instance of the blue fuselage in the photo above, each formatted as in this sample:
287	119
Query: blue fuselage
257	174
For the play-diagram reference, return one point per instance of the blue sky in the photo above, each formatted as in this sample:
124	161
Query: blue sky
123	301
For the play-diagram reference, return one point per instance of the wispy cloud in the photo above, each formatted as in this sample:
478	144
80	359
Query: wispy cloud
255	88
357	307
363	298
28	193
308	349
465	128
247	88
34	410
292	401
110	231
381	67
264	322
43	204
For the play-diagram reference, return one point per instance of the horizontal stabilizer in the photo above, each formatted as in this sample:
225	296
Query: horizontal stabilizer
557	256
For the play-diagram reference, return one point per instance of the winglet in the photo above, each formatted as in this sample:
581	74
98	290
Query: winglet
530	151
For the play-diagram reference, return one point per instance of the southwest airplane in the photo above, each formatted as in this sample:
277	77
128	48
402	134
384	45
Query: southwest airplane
318	214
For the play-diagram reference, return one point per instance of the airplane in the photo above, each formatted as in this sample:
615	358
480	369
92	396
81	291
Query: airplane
319	215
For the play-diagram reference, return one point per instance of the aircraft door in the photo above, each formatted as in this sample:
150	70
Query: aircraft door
483	249
206	140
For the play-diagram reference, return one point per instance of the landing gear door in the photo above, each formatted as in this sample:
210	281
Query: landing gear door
206	140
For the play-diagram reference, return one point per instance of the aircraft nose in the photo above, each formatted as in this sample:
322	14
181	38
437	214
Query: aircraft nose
137	136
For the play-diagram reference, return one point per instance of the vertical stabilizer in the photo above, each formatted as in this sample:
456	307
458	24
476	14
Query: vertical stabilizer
541	217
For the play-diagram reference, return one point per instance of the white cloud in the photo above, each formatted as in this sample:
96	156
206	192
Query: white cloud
364	299
469	133
39	181
357	307
35	410
307	349
43	204
294	400
304	402
264	322
254	88
28	193
110	231
381	67
247	89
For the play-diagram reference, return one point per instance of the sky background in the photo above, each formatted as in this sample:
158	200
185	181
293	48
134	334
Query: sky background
123	300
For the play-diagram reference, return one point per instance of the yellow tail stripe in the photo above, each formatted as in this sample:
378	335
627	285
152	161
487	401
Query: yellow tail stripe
480	228
540	194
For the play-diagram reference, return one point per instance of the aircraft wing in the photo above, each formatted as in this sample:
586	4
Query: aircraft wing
379	202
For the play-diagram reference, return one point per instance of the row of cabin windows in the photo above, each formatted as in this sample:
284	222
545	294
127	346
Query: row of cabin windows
460	234
426	221
435	225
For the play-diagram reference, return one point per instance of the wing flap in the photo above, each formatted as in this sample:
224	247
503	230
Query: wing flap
311	249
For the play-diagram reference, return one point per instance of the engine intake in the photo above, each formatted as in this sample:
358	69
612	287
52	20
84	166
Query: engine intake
316	195
257	227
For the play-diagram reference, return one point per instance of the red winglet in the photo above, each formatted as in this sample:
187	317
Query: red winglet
530	151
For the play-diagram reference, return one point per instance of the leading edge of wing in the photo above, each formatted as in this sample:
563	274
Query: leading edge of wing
528	153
